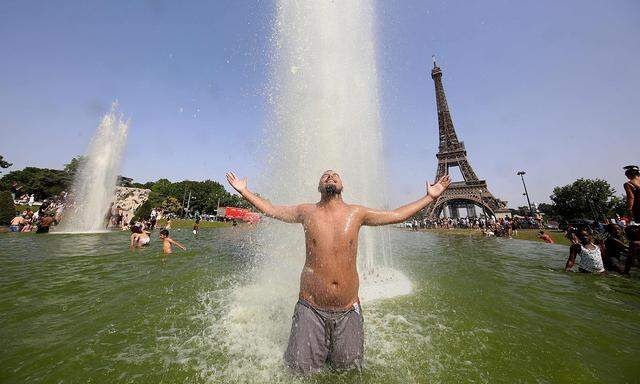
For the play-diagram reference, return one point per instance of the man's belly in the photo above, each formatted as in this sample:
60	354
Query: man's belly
329	288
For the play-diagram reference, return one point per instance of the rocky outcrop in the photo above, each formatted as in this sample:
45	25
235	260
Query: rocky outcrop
129	199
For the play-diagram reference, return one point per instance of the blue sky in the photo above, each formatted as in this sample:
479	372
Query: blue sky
548	87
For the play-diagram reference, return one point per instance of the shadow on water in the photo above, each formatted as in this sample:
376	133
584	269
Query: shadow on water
76	308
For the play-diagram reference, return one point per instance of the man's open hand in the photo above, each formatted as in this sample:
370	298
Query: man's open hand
435	190
236	183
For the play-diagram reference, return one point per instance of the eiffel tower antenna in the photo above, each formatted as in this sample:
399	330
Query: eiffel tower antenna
471	191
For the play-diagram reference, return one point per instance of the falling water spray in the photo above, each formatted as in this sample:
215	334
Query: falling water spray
95	181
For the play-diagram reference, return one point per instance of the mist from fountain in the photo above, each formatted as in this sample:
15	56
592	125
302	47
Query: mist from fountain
95	181
324	96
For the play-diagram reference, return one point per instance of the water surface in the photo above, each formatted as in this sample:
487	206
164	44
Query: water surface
82	308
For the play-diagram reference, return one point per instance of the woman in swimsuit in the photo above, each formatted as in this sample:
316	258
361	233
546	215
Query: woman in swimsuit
139	237
590	255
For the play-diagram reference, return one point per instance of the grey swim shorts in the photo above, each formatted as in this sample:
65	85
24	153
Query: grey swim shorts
319	336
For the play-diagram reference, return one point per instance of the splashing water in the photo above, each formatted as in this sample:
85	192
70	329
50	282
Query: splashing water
95	181
324	96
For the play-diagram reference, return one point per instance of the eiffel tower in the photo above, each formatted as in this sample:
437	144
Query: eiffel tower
472	191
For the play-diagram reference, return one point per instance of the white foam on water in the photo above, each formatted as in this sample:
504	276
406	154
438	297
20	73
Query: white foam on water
383	283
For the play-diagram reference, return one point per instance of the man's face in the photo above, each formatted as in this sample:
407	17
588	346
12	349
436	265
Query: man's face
330	183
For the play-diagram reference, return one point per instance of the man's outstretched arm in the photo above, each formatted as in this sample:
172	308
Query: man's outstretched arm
398	215
288	214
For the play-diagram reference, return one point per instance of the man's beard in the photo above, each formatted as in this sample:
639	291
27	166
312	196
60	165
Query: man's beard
331	189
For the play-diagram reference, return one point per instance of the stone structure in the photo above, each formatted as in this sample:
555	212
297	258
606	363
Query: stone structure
129	199
470	192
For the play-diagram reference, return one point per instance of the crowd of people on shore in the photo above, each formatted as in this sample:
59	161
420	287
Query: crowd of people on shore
490	226
46	215
600	247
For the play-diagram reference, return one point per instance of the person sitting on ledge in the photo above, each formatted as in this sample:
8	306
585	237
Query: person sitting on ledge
327	321
590	254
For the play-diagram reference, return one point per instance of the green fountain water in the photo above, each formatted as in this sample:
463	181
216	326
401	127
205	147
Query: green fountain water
82	308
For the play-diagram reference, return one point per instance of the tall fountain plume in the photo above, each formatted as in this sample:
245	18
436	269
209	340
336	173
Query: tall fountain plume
95	181
324	95
326	111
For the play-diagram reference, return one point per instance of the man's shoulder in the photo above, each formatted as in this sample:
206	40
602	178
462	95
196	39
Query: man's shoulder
305	208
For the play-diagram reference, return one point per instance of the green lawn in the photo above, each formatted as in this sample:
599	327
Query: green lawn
523	234
181	223
530	234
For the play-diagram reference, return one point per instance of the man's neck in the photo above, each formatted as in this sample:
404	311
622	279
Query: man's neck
331	200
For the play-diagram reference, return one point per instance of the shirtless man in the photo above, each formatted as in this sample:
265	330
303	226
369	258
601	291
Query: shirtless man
327	321
17	223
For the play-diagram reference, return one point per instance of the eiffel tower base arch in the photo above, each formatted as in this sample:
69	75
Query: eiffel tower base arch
463	194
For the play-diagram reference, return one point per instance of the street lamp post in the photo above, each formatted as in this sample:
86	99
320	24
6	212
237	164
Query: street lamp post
521	174
188	203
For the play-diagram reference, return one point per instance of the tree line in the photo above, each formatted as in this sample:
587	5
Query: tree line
582	199
47	183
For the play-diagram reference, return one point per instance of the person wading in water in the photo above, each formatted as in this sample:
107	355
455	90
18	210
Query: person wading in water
327	320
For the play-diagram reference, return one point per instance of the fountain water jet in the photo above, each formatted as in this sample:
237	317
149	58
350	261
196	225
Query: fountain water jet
326	116
95	182
324	96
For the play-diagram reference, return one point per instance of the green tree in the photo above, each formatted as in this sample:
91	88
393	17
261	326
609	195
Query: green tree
4	163
7	208
124	181
618	206
42	182
548	210
72	166
584	198
171	204
143	212
147	185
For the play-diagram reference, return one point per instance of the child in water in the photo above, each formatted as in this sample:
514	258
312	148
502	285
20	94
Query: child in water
167	241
